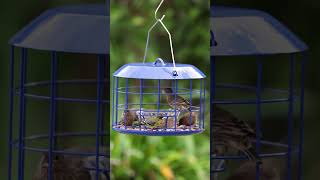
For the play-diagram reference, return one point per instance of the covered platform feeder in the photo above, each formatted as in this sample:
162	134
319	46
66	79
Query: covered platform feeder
158	99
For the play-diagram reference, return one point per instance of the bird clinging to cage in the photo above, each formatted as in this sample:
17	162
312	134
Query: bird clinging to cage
187	117
230	132
67	167
129	117
181	103
247	171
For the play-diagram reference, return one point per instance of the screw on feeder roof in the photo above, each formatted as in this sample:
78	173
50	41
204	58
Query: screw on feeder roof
213	42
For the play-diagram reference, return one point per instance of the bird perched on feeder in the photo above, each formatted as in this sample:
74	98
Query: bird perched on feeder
67	167
176	100
151	121
129	117
163	123
188	119
230	132
247	171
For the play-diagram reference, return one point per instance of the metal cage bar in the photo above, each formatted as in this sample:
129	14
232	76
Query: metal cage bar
190	116
11	93
212	97
22	116
159	97
141	102
98	113
175	103
201	101
52	118
126	104
113	107
103	94
258	112
301	118
290	115
204	103
117	97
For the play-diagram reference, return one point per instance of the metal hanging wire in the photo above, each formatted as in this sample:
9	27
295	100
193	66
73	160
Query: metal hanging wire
159	20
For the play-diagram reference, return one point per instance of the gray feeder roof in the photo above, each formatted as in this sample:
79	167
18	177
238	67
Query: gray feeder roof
250	32
75	29
156	71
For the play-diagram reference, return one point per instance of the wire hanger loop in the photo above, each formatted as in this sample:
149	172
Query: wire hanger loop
160	20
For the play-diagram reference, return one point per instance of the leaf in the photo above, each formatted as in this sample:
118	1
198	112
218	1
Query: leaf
167	172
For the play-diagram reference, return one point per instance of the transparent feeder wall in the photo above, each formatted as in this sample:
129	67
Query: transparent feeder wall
140	106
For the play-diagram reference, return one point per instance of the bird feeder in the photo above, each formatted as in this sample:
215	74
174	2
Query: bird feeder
81	30
237	33
158	98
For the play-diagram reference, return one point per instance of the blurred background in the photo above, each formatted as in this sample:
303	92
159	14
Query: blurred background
138	157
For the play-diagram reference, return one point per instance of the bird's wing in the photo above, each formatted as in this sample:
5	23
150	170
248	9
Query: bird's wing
182	100
224	118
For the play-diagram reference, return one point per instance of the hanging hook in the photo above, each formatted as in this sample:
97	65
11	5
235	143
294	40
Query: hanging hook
168	32
155	13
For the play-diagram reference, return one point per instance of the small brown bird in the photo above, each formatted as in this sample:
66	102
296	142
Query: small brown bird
67	167
64	168
181	103
185	119
247	171
231	132
128	117
164	123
